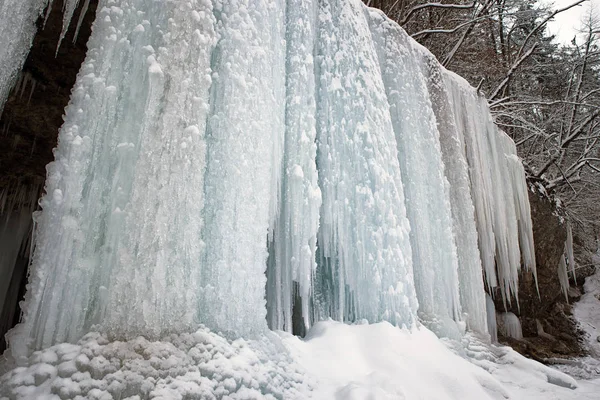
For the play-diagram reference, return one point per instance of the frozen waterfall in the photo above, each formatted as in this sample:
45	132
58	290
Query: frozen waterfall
267	164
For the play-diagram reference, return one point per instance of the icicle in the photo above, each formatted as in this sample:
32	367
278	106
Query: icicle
292	257
499	192
510	325
84	10
435	261
465	105
563	277
569	250
69	7
491	318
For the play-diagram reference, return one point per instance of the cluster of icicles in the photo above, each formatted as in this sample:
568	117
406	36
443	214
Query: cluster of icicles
213	151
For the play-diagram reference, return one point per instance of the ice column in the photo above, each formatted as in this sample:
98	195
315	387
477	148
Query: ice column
292	255
510	325
456	170
435	260
154	111
245	136
364	254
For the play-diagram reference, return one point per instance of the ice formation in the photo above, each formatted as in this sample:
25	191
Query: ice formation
213	151
498	190
510	325
196	365
569	250
492	326
563	277
566	263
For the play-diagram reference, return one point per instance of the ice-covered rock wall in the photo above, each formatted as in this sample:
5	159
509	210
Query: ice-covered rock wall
215	151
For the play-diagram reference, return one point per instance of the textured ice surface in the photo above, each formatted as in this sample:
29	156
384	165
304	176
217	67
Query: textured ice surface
293	240
491	318
364	258
463	213
435	262
510	325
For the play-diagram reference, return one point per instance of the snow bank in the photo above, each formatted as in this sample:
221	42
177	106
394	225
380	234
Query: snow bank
199	365
334	361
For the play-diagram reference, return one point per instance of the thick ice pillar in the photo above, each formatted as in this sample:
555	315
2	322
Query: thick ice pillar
364	256
435	262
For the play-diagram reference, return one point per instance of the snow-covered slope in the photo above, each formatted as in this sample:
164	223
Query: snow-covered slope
334	361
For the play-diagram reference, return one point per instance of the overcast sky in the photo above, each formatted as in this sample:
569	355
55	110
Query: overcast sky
566	23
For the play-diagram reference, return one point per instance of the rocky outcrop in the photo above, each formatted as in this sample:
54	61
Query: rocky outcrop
549	329
33	112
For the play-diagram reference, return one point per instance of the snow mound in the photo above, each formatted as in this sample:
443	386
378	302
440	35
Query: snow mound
334	361
200	365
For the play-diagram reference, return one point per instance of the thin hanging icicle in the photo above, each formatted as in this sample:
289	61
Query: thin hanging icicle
569	250
69	7
563	277
84	10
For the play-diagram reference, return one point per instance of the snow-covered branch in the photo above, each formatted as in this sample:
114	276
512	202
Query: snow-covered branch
434	5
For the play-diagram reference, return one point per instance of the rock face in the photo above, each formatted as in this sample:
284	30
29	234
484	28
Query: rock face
548	326
33	113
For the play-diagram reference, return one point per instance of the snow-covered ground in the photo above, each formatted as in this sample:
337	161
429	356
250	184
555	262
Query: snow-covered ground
587	312
334	361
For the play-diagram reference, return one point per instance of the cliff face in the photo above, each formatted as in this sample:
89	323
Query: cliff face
33	113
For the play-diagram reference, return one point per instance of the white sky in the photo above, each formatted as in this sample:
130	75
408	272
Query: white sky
566	23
